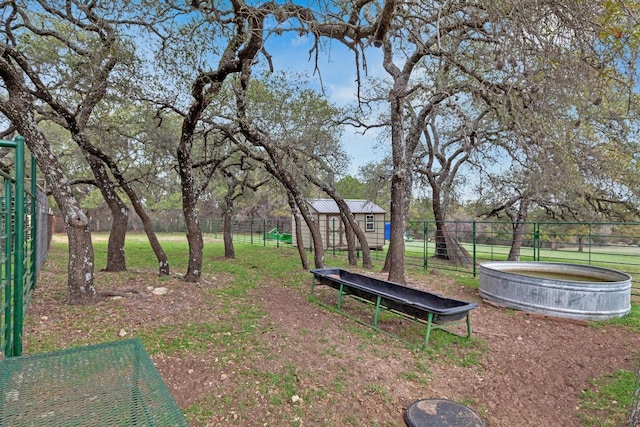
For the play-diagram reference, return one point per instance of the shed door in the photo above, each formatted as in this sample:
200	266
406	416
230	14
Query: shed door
335	232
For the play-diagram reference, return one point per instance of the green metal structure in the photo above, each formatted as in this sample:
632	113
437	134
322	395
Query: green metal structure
19	258
274	234
109	384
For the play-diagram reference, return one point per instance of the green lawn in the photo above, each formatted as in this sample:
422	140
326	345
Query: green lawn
238	320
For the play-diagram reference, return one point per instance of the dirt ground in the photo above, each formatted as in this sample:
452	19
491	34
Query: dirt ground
531	372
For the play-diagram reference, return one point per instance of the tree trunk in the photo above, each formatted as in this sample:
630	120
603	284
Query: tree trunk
517	223
116	260
161	256
401	160
309	219
351	239
298	227
189	196
163	262
18	108
187	182
229	251
80	288
318	247
194	233
196	244
516	243
441	241
440	237
395	262
355	228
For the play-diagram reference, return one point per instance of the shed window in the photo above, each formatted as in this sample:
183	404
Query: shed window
369	223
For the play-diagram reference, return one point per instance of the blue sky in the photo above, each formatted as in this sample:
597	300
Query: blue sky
337	70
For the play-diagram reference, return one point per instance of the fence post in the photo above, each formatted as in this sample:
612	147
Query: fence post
536	241
492	239
425	230
475	254
7	278
33	232
333	234
18	293
589	243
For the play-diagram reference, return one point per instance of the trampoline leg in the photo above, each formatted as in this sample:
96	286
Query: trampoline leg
340	297
468	324
426	335
375	316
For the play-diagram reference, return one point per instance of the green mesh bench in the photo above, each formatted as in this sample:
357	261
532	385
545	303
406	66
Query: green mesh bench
111	384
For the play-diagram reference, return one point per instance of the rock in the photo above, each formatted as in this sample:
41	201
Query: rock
160	291
295	399
122	332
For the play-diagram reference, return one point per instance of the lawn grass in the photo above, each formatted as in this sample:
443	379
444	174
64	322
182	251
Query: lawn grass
237	321
605	403
253	264
631	320
421	254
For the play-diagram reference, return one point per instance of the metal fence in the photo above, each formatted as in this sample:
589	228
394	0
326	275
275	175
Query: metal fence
23	244
256	231
634	418
612	245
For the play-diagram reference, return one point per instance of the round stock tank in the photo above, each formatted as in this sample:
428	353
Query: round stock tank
556	289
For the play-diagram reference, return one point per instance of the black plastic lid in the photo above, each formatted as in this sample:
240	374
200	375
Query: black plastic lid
441	413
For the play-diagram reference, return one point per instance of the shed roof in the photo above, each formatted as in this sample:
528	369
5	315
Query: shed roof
329	206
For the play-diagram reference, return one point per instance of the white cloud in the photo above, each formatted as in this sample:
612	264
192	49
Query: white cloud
362	149
299	40
343	93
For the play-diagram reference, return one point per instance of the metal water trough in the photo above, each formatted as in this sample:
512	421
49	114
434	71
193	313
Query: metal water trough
433	309
573	291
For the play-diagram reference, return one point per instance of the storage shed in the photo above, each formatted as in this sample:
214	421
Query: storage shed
369	216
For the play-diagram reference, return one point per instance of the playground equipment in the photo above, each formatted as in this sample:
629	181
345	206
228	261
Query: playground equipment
274	234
